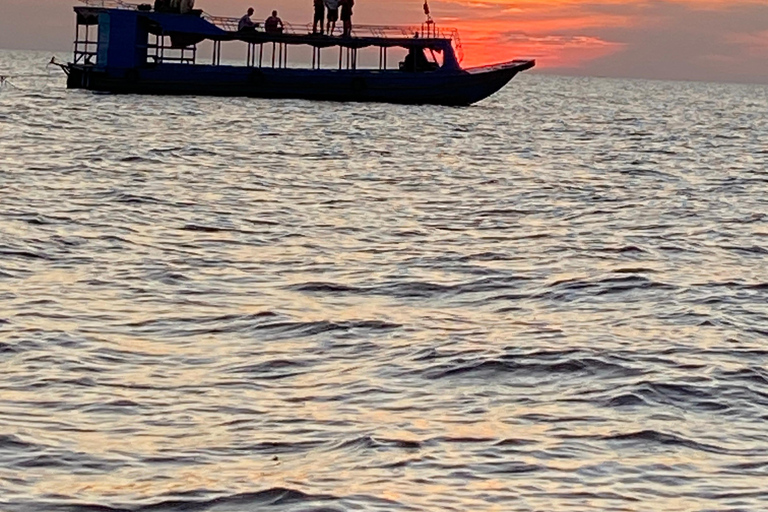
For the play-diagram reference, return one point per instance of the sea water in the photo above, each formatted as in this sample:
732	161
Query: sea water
554	300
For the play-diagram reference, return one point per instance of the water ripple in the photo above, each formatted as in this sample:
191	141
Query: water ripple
553	300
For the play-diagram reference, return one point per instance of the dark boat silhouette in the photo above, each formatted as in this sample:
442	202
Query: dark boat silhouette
140	50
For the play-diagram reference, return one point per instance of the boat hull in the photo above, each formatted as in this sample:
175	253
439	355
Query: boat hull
455	88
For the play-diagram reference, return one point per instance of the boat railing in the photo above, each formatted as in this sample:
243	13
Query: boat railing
426	30
111	4
223	22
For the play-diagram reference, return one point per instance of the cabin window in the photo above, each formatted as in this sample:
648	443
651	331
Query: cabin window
86	41
436	56
416	61
163	49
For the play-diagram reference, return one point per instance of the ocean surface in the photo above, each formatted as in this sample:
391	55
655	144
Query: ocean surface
555	300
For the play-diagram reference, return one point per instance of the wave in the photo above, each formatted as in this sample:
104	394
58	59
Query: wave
23	254
747	250
414	289
625	400
372	443
274	369
322	287
12	442
513	364
650	437
302	329
752	375
684	396
570	289
278	497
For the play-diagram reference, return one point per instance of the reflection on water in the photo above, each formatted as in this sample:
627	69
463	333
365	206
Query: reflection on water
554	300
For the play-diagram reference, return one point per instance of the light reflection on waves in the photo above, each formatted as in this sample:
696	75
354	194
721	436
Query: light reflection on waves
552	301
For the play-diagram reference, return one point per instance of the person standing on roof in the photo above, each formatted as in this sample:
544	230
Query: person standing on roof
245	22
333	14
346	16
319	16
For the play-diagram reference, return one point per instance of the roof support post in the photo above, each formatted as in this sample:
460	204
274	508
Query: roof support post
85	55
77	39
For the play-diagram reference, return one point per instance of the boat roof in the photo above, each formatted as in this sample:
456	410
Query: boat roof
217	28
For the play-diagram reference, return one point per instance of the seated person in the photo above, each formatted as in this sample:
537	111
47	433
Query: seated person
273	23
162	5
416	61
245	22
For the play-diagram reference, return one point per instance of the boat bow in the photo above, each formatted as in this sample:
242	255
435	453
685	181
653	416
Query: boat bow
517	66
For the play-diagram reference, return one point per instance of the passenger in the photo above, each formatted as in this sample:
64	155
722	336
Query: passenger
245	22
162	5
319	16
333	14
416	61
273	23
407	64
346	16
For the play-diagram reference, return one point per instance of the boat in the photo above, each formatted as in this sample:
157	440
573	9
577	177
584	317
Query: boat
143	49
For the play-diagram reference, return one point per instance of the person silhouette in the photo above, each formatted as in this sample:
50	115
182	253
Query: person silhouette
245	22
333	14
346	16
273	23
319	16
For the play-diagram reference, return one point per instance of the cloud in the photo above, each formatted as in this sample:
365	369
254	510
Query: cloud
688	42
755	43
673	39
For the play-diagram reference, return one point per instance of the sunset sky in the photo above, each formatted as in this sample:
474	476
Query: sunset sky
713	40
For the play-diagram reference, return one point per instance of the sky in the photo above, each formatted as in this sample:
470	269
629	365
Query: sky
706	40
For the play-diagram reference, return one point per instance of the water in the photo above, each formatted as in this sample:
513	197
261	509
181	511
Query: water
554	300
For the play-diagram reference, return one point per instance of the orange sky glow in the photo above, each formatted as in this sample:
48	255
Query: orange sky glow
713	40
571	34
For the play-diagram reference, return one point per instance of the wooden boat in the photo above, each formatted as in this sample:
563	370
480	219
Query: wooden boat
126	48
